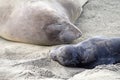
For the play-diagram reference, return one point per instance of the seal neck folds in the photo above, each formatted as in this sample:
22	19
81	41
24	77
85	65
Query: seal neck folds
72	9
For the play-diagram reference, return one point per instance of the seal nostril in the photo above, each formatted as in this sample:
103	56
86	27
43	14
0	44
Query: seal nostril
53	56
79	35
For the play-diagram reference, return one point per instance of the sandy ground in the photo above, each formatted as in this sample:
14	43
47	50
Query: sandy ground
20	61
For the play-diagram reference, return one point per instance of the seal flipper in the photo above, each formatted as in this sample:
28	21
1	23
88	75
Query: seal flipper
83	2
102	61
117	58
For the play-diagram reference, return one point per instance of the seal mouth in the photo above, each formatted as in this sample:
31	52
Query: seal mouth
53	56
79	35
68	37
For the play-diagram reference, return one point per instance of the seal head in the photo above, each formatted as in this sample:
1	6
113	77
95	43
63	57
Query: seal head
66	55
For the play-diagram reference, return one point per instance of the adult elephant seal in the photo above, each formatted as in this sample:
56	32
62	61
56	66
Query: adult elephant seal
89	53
44	22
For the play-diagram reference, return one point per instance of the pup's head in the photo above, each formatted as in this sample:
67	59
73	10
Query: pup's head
65	55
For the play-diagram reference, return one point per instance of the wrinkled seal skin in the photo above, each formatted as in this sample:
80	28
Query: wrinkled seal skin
89	53
43	22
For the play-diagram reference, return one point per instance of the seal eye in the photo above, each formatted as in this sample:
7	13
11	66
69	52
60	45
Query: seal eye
52	31
68	56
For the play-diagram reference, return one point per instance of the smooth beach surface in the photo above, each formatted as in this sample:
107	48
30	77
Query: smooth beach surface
19	61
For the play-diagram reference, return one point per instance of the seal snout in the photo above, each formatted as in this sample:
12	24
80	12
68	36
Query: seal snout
69	33
79	34
76	31
65	55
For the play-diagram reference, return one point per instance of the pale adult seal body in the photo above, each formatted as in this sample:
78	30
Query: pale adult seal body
89	53
44	22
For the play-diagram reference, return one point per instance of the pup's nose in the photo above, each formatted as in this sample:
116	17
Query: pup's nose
53	56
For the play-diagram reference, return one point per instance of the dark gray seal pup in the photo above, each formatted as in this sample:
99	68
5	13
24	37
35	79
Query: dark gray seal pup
43	22
89	53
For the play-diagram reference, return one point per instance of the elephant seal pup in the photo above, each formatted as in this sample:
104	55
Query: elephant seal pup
89	53
43	22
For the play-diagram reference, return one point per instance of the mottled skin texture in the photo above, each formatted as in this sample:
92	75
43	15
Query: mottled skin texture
89	53
44	22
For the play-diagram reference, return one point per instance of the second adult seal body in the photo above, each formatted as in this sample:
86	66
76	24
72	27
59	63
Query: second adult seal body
44	22
89	53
